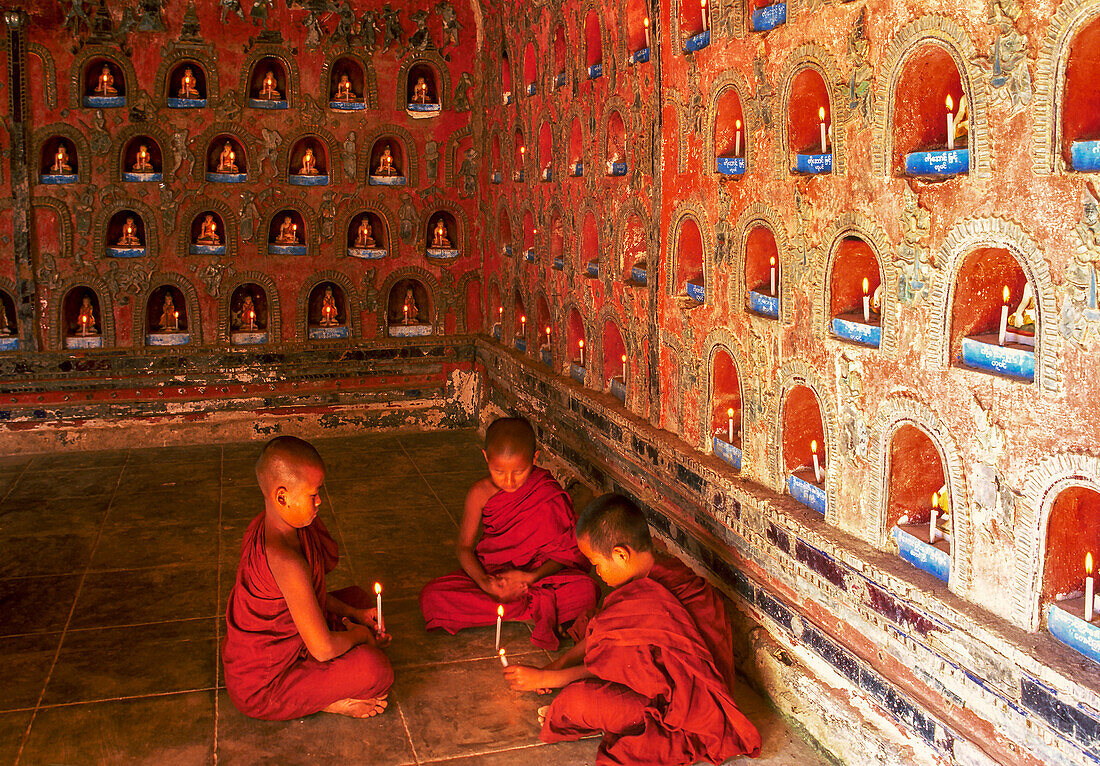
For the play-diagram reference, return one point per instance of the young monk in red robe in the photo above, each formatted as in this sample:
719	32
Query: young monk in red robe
644	675
291	649
516	545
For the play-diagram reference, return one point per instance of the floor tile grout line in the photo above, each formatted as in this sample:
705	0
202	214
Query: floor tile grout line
121	698
428	483
69	617
408	732
18	479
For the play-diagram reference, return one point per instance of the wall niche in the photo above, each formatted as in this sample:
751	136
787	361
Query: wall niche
327	312
689	262
855	294
589	253
632	244
809	123
762	272
208	234
9	323
58	161
615	151
930	98
186	86
166	320
82	318
443	235
918	502
104	84
803	448
519	321
576	148
725	408
615	361
286	234
504	233
409	309
226	161
141	160
422	91
994	320
347	86
1080	117
387	162
556	243
268	84
543	331
593	45
530	69
546	153
575	342
529	234
729	134
309	162
496	311
367	235
126	235
248	315
1069	569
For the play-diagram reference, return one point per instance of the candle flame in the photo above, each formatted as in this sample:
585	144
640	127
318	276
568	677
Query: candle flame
500	613
645	21
738	124
580	343
813	446
950	103
1006	293
548	332
821	113
378	589
624	358
1088	563
935	499
773	260
729	412
523	320
866	285
702	3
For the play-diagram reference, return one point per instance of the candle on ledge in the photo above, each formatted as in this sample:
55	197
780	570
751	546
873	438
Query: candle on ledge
866	301
821	118
703	12
175	320
950	124
645	25
523	326
378	607
500	619
1004	318
933	533
503	658
729	425
1088	587
500	315
772	283
548	336
406	312
580	345
737	140
83	324
817	463
624	368
251	320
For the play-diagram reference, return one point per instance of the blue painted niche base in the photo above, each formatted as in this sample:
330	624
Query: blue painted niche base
1016	360
913	546
726	451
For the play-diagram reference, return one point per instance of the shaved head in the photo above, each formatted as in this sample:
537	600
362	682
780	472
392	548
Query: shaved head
614	521
510	436
284	460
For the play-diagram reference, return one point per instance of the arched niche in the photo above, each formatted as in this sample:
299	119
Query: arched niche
249	314
808	108
615	152
443	235
638	28
575	342
104	83
916	477
141	160
546	152
9	322
208	234
505	77
226	160
519	154
1080	145
576	147
529	232
496	161
983	279
689	261
690	17
387	162
520	320
58	161
633	250
309	162
496	310
269	84
616	363
530	69
367	235
730	134
422	91
543	330
167	322
126	235
589	252
504	232
803	430
855	275
763	280
475	312
593	44
186	86
347	85
82	318
287	233
725	402
409	309
1073	531
328	311
556	240
928	81
560	59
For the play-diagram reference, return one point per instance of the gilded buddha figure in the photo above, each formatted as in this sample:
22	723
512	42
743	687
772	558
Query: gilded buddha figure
364	237
142	163
61	166
344	91
385	163
439	236
188	85
420	92
309	163
227	160
129	237
105	84
208	231
169	315
268	89
85	319
328	308
288	232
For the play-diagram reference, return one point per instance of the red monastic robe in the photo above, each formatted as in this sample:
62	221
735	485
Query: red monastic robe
657	697
520	530
269	674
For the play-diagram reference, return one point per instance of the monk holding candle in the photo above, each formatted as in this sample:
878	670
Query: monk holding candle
516	546
291	649
654	669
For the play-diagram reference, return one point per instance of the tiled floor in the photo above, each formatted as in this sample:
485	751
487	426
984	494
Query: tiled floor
114	569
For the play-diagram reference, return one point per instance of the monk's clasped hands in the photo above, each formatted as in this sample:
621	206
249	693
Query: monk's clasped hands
510	585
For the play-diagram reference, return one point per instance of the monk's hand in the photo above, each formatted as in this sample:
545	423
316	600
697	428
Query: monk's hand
513	584
361	634
524	678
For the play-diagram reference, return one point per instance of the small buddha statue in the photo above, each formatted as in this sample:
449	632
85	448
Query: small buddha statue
208	231
410	314
364	237
105	85
385	163
85	320
129	236
344	90
962	120
61	166
328	308
169	315
268	91
1023	318
876	300
440	240
5	326
227	160
187	85
288	232
142	163
420	91
309	163
246	317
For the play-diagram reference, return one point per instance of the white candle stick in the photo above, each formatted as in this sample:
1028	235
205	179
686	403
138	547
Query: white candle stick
378	607
176	320
821	118
503	658
624	368
729	425
703	11
817	463
866	302
500	619
547	337
580	345
523	326
933	533
1004	319
1088	587
645	24
737	141
950	124
772	282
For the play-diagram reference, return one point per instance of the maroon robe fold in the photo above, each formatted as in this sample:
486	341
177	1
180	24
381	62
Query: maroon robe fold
269	673
657	696
520	530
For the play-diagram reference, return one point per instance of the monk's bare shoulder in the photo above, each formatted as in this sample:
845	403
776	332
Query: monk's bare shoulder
282	557
480	492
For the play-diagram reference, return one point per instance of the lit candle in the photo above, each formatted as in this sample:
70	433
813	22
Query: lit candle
729	425
175	320
406	312
580	345
503	658
1004	318
933	533
500	619
703	12
821	117
950	124
378	607
737	140
523	326
500	315
772	285
624	368
645	24
251	320
866	301
1088	587
83	324
817	464
548	336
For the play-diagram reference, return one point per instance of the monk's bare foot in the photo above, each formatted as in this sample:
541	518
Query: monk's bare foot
542	713
358	708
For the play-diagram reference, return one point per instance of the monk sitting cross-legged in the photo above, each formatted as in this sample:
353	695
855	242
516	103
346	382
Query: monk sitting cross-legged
516	546
291	649
644	674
